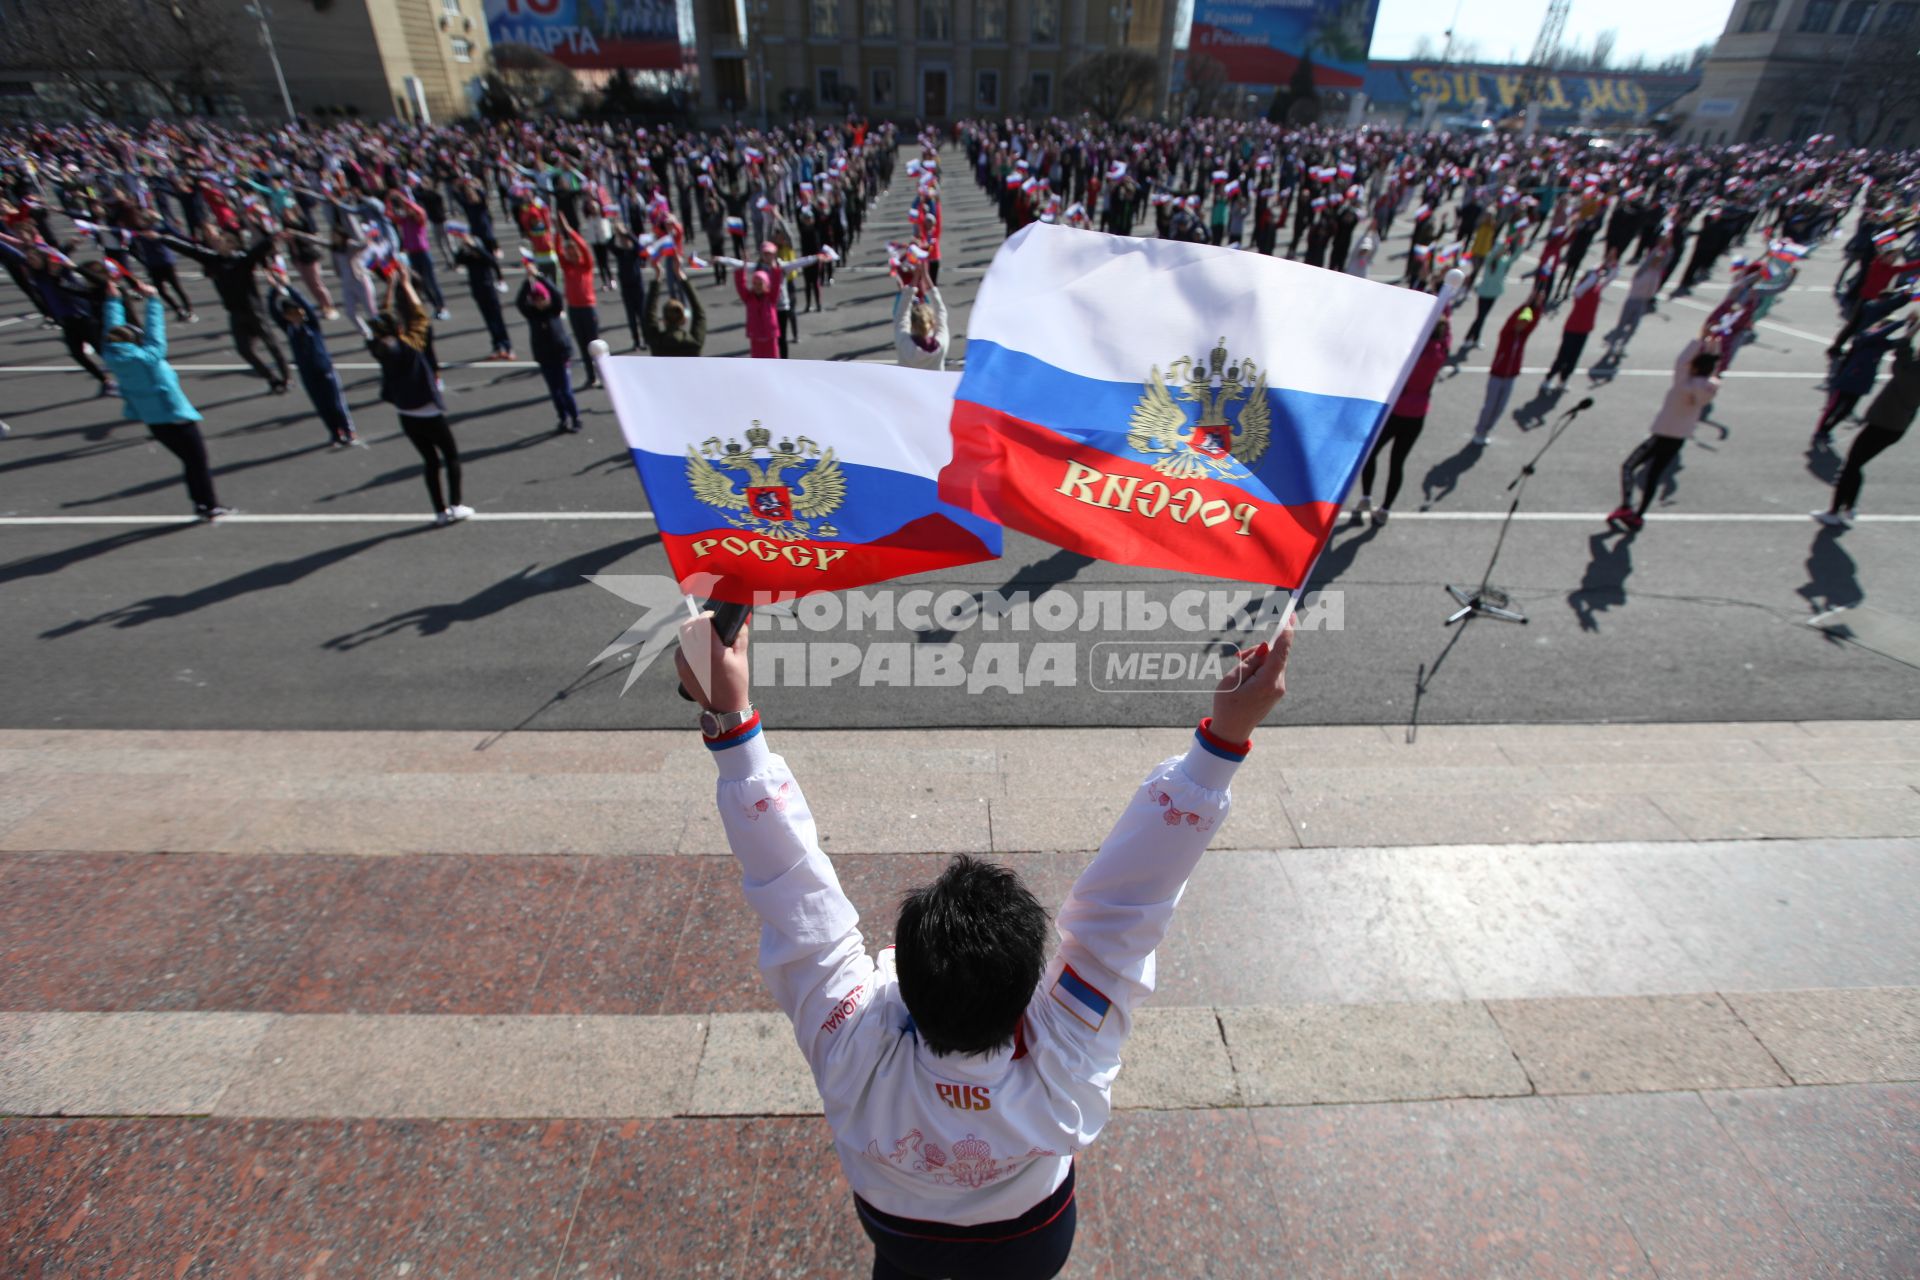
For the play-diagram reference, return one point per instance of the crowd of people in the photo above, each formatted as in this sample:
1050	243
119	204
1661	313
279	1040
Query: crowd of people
1501	210
294	227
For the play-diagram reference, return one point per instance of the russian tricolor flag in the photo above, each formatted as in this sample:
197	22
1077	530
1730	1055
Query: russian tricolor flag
789	477
1214	431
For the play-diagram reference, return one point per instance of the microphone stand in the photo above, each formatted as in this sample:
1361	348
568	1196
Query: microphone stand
1487	600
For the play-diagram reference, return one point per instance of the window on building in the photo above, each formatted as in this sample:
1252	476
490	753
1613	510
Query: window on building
1853	18
880	18
1040	92
1046	21
1817	17
723	18
1759	16
450	7
462	49
1899	16
823	19
881	97
936	20
993	19
1761	123
829	78
986	90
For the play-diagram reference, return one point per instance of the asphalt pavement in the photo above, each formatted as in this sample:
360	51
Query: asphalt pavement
333	604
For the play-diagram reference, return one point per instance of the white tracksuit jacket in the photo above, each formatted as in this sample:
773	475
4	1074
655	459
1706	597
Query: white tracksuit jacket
965	1140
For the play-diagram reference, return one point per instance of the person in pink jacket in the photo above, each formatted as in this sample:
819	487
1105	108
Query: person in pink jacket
1695	383
756	287
1403	424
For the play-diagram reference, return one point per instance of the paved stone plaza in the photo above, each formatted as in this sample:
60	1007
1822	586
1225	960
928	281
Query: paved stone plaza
341	935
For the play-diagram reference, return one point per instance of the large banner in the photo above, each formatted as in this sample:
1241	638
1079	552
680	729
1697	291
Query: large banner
1601	97
1263	41
592	35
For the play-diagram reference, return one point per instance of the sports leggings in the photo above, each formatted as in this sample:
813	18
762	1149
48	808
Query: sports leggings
1399	433
1656	454
434	440
1866	446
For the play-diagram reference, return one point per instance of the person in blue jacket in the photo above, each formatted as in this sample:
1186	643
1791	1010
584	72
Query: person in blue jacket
301	323
137	356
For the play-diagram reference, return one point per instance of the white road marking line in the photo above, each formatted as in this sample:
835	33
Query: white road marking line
393	517
1763	324
528	364
561	517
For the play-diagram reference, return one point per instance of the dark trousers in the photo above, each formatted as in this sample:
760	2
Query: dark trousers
434	439
1838	407
247	331
1866	447
1033	1246
633	297
77	331
487	301
1571	345
1397	439
1484	305
585	323
164	277
422	263
1655	454
182	440
323	388
559	376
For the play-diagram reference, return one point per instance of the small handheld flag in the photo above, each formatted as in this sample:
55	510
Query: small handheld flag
788	479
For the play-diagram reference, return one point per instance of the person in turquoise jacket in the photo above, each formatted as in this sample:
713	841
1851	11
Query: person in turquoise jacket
150	389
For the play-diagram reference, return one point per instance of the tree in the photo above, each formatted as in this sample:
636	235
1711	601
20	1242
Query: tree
1424	50
1112	85
1206	83
1603	45
521	80
183	50
1878	86
1303	100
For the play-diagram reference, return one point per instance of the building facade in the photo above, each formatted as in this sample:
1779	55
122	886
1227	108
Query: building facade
1771	75
913	59
376	59
371	59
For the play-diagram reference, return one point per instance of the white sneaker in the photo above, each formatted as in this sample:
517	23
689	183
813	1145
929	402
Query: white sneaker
1479	437
457	511
1362	508
443	314
444	516
1380	517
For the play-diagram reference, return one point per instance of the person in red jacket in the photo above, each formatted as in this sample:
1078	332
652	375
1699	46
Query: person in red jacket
576	275
1880	271
1581	317
1507	354
756	286
1403	425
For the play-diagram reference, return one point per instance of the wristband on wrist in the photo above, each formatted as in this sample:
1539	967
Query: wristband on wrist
1214	744
735	736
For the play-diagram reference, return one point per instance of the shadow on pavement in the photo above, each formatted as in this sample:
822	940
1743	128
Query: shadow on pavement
1833	581
1605	585
264	578
55	561
1340	554
172	479
1036	579
1444	476
528	584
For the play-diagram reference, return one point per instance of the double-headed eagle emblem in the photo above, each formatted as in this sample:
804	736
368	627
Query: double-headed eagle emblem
763	498
1211	447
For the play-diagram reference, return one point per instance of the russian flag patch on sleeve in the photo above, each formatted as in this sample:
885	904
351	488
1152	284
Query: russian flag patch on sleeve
1080	998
